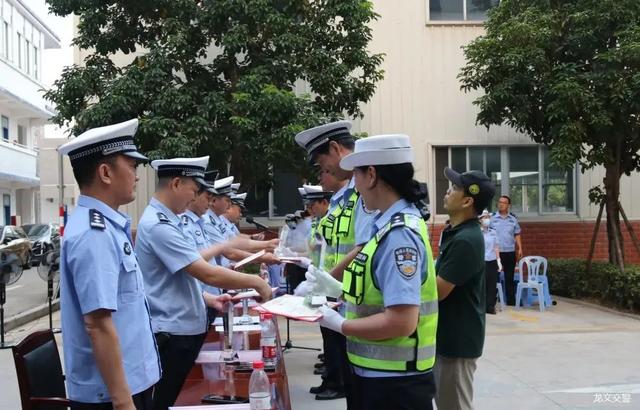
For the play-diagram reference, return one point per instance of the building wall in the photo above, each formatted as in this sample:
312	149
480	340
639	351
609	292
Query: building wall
420	96
48	165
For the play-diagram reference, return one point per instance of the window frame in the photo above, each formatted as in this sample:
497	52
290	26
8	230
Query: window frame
505	185
465	16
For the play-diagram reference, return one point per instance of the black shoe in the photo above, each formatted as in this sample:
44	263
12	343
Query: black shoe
318	365
318	389
330	394
319	370
491	311
321	357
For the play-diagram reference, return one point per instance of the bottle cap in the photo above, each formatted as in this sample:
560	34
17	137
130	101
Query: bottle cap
258	365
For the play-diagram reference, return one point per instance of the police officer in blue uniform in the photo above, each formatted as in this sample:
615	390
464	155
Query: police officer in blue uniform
111	359
173	270
493	264
510	243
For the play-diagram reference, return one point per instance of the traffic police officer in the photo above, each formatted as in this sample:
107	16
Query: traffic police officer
390	287
111	359
492	261
508	229
350	223
173	269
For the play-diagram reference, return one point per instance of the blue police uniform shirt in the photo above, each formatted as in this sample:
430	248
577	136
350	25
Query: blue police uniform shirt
232	229
216	232
99	270
364	218
194	228
396	287
490	244
164	250
336	198
507	227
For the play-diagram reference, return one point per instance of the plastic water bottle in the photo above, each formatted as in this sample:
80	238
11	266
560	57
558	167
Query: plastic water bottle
268	340
259	389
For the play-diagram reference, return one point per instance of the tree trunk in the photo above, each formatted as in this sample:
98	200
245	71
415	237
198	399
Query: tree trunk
612	190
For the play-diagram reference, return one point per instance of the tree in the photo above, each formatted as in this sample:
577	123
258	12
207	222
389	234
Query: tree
217	77
566	73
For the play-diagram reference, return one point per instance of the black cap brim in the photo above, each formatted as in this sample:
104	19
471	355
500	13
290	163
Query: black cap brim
137	156
454	177
203	184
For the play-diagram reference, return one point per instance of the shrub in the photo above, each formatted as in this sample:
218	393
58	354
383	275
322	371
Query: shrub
605	283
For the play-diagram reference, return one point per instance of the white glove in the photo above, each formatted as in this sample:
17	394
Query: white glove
499	265
326	285
304	262
331	319
306	287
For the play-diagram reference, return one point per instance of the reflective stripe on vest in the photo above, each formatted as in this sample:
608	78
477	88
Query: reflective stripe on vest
426	308
406	353
387	352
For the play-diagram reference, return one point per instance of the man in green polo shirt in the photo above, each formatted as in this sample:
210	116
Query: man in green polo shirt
461	289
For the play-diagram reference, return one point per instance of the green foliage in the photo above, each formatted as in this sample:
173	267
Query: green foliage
605	283
217	77
566	73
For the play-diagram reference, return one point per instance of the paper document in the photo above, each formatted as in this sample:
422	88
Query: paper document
249	259
293	307
237	320
249	294
241	328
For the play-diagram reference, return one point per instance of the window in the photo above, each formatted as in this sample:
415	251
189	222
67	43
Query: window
27	54
557	187
460	10
36	74
535	187
19	50
280	200
22	135
5	127
5	40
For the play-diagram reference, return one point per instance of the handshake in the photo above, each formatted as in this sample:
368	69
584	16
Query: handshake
319	282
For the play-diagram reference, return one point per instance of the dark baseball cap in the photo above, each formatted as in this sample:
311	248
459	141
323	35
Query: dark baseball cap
476	184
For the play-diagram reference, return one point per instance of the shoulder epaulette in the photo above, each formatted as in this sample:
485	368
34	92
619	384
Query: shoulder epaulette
514	215
212	220
96	220
185	220
409	220
163	218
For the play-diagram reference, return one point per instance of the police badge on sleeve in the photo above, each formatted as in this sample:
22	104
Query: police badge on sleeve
407	261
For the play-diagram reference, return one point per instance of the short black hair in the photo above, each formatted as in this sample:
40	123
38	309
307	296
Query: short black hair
346	141
507	198
85	171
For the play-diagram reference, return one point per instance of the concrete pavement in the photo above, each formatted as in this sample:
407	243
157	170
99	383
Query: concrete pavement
570	357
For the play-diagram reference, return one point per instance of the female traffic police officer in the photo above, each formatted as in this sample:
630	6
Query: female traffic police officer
390	287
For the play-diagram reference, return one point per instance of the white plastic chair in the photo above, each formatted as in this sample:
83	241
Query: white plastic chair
500	295
536	267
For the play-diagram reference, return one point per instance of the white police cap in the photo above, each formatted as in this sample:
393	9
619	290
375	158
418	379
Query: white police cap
223	186
100	142
182	167
239	199
379	150
235	187
314	192
314	138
